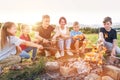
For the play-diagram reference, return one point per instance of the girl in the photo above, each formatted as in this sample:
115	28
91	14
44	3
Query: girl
62	32
25	36
8	45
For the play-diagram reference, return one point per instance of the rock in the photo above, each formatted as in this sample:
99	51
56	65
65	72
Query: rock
67	71
98	70
107	78
92	76
52	66
112	71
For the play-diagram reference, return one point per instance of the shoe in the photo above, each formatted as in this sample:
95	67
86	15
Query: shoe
47	53
33	59
62	53
57	55
69	53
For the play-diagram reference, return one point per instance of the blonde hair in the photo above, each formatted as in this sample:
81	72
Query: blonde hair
75	23
23	26
45	16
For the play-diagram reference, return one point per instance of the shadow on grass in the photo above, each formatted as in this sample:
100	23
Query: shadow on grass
28	73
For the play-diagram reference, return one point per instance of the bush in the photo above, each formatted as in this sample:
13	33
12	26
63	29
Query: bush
88	30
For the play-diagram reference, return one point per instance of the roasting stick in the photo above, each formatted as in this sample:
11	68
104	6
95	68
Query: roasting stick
115	57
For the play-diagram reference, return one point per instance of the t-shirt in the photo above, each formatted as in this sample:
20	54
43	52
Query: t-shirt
109	35
10	47
63	31
74	33
26	38
45	33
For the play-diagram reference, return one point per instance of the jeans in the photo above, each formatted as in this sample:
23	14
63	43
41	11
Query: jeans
61	43
109	46
28	49
24	54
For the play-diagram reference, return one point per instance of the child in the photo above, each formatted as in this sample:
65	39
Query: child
109	37
0	34
8	46
44	35
25	36
77	38
63	34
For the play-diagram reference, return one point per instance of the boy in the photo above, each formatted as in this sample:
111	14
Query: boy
44	35
109	37
77	38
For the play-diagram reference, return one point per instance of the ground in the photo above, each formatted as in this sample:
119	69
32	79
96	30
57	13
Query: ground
35	70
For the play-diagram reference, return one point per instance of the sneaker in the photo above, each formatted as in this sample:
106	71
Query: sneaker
69	53
47	53
57	55
33	59
62	53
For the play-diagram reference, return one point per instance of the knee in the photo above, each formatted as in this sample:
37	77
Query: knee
24	55
17	59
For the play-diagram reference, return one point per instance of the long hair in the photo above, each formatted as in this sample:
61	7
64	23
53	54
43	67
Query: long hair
5	33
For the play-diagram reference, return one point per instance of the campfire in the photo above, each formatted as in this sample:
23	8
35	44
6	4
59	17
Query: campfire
81	68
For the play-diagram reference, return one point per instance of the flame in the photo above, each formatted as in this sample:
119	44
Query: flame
96	54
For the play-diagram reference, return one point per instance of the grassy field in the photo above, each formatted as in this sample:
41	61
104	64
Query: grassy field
34	71
93	38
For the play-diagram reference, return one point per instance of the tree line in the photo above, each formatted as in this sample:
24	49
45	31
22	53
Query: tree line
85	30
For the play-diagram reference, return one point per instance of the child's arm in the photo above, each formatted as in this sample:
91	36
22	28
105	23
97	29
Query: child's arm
80	37
67	35
114	47
27	43
57	33
101	38
18	48
37	36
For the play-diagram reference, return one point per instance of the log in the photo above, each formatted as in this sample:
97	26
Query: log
92	76
112	71
107	78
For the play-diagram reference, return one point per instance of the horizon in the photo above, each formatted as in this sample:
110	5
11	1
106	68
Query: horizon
30	12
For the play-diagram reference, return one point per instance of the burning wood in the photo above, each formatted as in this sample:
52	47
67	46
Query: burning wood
90	66
77	66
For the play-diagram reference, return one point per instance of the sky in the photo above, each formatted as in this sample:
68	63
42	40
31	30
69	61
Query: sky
83	11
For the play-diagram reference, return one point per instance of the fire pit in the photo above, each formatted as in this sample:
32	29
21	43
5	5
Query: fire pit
89	67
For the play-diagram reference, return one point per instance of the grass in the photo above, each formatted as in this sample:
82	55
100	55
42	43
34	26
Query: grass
94	37
34	72
28	73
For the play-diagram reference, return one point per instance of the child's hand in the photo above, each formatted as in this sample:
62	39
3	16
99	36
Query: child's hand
35	41
53	41
75	37
113	52
40	47
45	41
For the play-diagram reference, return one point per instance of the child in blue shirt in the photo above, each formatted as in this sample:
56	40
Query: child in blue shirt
77	38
